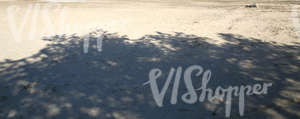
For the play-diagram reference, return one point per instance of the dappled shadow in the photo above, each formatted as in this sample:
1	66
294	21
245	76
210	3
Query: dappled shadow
63	82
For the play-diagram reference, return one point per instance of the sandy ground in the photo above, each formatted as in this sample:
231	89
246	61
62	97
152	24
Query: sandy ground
270	22
48	75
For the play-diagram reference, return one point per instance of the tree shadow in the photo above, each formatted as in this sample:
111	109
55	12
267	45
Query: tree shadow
63	82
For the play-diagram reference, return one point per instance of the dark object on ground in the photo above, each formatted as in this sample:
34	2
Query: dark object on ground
251	6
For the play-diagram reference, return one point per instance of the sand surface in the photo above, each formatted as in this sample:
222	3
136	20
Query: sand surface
269	22
46	74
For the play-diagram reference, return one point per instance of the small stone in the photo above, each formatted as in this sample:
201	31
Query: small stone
251	6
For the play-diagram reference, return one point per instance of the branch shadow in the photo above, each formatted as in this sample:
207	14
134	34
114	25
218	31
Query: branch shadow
63	82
